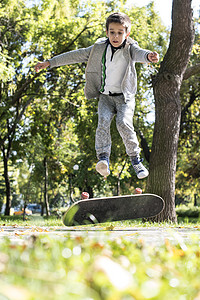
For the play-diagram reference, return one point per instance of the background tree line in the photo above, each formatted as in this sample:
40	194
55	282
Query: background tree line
47	125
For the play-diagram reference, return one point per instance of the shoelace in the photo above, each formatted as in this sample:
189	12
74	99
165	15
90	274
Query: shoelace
137	165
138	168
103	157
136	160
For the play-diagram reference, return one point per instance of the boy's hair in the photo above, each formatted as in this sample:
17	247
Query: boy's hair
120	18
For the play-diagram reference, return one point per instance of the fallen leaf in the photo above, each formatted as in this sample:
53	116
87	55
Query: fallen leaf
111	227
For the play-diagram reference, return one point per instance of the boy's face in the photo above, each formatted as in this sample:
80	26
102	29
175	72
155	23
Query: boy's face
116	34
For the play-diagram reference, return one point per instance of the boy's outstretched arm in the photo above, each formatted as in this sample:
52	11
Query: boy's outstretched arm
67	58
42	65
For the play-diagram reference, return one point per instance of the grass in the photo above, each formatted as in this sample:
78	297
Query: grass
97	268
36	220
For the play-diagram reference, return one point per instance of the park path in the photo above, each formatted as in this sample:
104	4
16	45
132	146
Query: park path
155	236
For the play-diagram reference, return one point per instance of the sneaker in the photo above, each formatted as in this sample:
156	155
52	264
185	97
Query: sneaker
139	168
102	166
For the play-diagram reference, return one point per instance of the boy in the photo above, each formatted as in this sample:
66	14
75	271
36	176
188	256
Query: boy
111	77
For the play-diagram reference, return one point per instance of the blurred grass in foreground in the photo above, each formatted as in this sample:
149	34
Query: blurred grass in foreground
98	268
88	268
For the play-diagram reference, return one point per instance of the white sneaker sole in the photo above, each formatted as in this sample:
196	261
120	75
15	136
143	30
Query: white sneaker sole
143	174
102	168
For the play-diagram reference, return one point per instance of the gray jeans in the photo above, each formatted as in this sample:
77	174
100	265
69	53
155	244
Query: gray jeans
108	107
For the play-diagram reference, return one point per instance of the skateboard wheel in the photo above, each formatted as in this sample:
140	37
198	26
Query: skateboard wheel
138	191
85	195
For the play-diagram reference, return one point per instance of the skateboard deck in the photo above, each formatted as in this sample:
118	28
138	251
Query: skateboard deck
109	209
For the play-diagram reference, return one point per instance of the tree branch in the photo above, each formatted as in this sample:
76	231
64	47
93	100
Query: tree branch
23	88
144	144
11	130
67	48
18	94
181	41
185	109
194	70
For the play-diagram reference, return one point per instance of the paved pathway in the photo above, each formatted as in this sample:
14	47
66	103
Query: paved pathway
150	235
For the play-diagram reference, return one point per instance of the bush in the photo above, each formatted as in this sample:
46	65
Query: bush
188	211
59	212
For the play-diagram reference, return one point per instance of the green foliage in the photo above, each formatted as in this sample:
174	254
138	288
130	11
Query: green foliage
6	69
57	122
188	211
188	171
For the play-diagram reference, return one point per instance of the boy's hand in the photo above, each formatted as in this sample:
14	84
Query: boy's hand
41	65
153	57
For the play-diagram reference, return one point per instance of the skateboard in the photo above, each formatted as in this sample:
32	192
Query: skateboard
109	209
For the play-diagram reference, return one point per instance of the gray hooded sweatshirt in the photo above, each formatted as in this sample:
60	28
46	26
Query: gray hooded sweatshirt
93	56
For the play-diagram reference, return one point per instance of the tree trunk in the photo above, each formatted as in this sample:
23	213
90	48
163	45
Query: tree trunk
71	201
119	179
41	202
164	149
166	87
89	190
7	183
46	201
195	200
118	186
